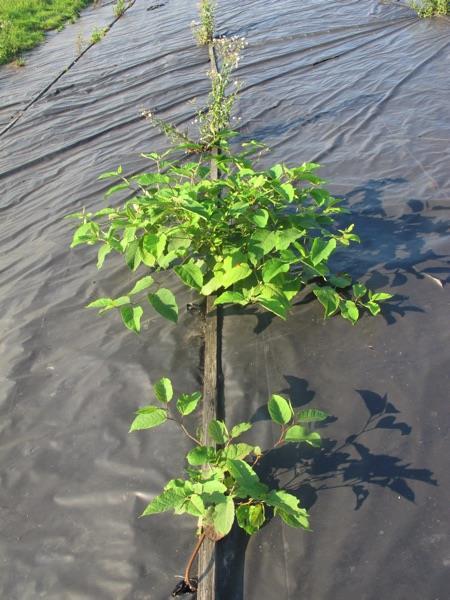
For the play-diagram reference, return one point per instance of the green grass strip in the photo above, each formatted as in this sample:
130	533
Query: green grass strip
23	23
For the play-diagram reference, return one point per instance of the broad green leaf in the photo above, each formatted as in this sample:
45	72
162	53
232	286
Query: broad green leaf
328	298
275	172
213	486
148	417
151	179
187	403
299	520
142	284
260	217
321	250
168	500
230	297
191	275
247	480
237	451
200	455
349	311
218	431
239	429
223	516
194	506
380	297
235	274
272	268
311	415
280	410
340	281
274	305
163	390
250	517
87	233
131	316
154	244
297	433
163	301
284	501
212	285
359	290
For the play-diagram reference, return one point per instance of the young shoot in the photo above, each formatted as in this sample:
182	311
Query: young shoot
221	485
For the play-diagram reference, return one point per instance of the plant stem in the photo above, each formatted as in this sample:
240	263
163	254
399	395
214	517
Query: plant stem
187	571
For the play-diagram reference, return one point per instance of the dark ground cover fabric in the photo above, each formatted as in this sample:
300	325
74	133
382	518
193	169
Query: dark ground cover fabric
359	86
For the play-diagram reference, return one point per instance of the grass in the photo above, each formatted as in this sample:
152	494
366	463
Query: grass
432	8
23	23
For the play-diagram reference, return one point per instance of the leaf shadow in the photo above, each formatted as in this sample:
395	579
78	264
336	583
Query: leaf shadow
307	472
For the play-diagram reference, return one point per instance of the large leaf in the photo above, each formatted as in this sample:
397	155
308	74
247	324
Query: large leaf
163	301
223	516
247	480
329	299
191	275
148	417
218	431
280	410
272	268
142	284
200	455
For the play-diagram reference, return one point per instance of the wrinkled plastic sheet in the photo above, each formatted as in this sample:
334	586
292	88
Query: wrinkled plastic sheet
361	87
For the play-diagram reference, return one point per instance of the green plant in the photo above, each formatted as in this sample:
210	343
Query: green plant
221	484
20	61
431	8
204	30
119	8
23	23
98	34
251	237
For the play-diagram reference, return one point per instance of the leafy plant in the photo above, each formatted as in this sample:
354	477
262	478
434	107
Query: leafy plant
431	8
119	8
204	30
251	237
221	485
98	34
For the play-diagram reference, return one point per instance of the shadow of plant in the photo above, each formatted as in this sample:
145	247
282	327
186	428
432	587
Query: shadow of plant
306	472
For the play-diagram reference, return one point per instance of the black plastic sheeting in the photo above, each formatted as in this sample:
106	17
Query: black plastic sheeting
361	87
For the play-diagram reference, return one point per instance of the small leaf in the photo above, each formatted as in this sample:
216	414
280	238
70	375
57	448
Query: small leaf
240	451
163	301
381	297
247	480
349	311
359	290
163	390
116	188
131	316
102	253
187	403
373	307
250	517
194	506
191	275
279	410
141	285
101	303
328	298
289	191
311	415
148	417
218	431
239	429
